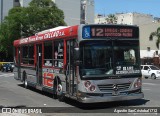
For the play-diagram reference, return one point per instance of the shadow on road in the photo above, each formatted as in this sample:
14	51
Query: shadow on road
94	106
103	105
20	106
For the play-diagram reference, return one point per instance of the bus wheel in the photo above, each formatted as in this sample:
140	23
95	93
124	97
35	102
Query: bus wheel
153	76
146	77
60	94
58	90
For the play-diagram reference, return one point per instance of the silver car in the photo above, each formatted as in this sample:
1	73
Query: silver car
150	71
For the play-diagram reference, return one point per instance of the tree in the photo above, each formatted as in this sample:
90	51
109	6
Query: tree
27	21
41	15
111	19
156	34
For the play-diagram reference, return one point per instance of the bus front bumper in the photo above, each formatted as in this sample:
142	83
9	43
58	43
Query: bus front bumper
96	99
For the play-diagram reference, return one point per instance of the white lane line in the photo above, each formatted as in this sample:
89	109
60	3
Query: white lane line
5	75
146	89
149	84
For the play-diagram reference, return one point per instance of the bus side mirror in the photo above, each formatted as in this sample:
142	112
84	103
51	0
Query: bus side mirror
77	57
76	54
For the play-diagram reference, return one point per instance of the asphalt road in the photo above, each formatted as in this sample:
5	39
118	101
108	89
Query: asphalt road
14	95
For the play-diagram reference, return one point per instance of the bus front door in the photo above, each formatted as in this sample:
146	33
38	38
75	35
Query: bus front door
70	71
39	63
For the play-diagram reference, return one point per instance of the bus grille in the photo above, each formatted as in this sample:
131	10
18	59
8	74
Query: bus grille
109	87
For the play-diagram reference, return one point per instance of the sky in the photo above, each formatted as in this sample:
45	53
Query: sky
106	7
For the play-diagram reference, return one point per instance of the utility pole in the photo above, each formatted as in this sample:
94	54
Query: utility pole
1	11
83	11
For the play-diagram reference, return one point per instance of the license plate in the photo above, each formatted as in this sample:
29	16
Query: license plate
115	93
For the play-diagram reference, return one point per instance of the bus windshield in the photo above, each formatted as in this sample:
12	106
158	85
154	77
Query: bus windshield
109	58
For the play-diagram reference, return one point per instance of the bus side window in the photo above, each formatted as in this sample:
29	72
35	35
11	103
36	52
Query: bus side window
58	53
24	54
31	54
48	53
28	54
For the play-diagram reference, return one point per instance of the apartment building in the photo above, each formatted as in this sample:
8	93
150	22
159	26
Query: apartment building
72	10
134	18
24	3
5	6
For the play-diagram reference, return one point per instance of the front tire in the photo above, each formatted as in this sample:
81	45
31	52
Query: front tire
146	77
58	91
153	76
60	94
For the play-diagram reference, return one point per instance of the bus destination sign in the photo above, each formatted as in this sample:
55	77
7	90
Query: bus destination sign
110	31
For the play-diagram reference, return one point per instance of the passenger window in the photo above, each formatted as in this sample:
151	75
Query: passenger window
58	54
48	53
28	54
31	54
146	68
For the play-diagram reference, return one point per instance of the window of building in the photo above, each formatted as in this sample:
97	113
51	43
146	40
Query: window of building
148	49
16	0
150	38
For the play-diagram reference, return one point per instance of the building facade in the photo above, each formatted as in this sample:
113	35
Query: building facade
5	6
24	3
72	10
148	45
100	19
134	18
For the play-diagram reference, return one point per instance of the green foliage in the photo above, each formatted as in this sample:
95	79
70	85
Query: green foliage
26	21
41	15
111	19
156	34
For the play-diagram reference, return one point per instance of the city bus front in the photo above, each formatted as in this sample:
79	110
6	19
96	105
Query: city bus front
109	67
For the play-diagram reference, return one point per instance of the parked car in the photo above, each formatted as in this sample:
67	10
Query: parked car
150	71
7	67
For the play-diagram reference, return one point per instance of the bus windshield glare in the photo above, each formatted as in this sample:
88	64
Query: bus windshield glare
109	58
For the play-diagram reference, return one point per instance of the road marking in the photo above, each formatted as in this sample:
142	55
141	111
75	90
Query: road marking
146	89
6	75
149	84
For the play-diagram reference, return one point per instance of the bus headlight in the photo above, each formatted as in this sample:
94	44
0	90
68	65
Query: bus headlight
92	88
138	83
87	84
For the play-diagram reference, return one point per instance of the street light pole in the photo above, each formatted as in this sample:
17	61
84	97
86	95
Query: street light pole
83	11
1	11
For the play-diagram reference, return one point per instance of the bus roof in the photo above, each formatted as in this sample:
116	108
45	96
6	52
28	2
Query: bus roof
50	34
127	31
50	30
